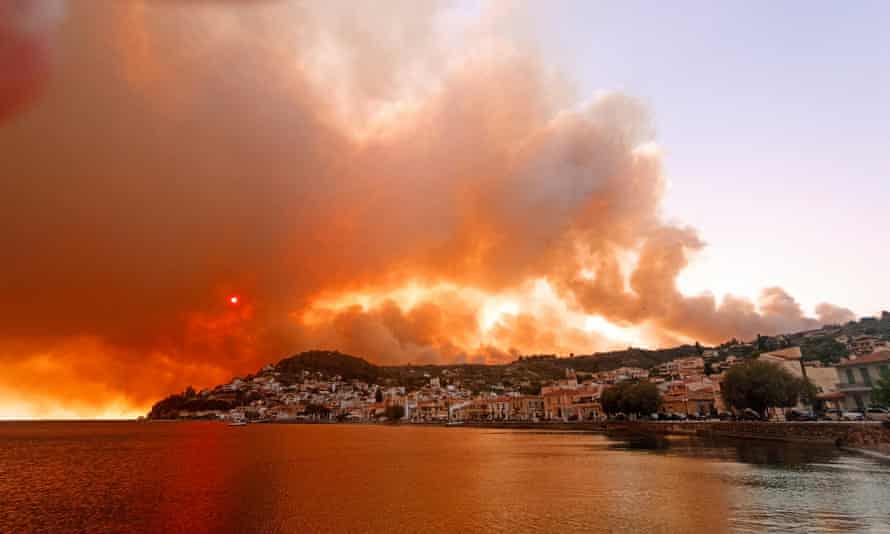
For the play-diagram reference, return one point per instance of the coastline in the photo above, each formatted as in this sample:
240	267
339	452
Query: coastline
861	438
855	437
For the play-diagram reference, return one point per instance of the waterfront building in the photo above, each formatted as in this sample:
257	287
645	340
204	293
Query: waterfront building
373	411
573	404
710	354
823	378
478	410
789	358
690	396
857	376
620	375
865	345
689	366
527	407
431	410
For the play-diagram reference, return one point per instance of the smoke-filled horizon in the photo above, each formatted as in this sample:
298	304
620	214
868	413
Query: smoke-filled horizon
420	188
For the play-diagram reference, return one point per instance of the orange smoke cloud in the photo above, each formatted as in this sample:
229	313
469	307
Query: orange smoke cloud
361	183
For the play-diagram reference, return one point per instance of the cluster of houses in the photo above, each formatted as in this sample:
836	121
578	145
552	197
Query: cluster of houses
689	386
857	377
846	385
576	397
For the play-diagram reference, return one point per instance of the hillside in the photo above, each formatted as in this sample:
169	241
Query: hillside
821	344
329	364
528	373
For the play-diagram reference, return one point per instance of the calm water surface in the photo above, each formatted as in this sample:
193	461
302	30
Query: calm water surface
207	477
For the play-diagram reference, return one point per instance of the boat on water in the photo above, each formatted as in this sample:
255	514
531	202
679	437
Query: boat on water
454	423
238	423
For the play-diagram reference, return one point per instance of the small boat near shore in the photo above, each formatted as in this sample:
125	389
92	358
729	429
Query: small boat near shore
238	423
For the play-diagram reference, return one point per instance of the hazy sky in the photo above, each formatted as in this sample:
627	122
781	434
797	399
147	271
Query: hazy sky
773	118
416	184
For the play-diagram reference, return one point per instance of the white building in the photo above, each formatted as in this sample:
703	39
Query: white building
857	377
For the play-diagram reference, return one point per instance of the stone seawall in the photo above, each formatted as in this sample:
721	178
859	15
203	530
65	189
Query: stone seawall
516	425
866	436
857	435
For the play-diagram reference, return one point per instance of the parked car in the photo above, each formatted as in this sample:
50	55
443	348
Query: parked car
831	415
852	416
749	415
799	415
877	414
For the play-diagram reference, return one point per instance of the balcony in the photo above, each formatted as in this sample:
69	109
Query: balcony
853	388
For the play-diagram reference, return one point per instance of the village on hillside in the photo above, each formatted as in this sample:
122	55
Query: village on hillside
688	387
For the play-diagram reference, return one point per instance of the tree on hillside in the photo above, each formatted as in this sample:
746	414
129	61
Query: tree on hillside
170	407
643	399
395	412
611	400
761	343
329	363
378	395
807	395
167	408
759	385
631	398
824	349
880	393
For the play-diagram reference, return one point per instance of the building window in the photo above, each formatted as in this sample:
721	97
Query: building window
865	376
850	378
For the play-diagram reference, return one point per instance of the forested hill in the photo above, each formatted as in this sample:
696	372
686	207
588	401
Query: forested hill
527	371
819	344
329	364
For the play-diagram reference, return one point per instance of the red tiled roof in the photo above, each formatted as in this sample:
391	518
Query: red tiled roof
701	395
837	395
875	357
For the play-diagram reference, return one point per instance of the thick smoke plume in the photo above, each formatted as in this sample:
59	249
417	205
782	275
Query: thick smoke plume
413	188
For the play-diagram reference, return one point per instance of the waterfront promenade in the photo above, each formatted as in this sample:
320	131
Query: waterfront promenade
870	436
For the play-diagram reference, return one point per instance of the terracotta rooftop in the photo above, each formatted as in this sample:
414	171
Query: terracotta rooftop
791	353
875	357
